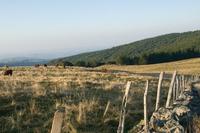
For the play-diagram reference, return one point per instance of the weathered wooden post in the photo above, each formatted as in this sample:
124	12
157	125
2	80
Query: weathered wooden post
170	90
186	81
181	84
57	121
107	106
123	110
183	81
177	87
146	123
190	79
174	91
196	78
193	77
158	90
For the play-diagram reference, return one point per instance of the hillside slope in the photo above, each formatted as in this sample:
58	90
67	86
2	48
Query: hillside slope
189	66
162	48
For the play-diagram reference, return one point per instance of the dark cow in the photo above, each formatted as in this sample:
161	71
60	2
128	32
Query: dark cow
60	65
45	65
37	65
8	72
57	65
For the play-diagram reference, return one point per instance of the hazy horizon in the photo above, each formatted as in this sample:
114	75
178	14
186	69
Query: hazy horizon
52	29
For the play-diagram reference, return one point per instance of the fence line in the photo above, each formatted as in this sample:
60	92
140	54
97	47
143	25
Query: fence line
176	89
177	86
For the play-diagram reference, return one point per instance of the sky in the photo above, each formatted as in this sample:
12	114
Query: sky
56	28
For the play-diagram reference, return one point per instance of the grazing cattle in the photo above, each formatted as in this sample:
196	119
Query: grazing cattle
45	65
57	65
37	65
60	65
8	72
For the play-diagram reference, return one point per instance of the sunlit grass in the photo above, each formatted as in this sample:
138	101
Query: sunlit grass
29	98
190	66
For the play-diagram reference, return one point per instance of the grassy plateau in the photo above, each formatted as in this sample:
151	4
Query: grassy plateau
29	98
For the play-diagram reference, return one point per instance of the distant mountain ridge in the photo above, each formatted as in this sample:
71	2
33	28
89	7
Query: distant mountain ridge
169	47
22	61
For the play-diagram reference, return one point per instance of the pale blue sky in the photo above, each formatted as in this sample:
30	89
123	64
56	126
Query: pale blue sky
64	27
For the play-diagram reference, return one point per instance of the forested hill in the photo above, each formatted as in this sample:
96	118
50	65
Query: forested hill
165	48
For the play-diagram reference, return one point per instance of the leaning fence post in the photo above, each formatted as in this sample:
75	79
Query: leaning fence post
146	127
57	121
158	90
174	90
107	106
123	110
170	90
177	87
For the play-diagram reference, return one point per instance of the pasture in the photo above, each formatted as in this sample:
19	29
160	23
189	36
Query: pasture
189	66
29	98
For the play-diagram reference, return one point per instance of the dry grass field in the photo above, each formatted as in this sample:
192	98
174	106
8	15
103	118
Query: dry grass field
29	98
190	66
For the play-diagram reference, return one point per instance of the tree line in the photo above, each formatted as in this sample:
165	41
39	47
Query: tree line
146	58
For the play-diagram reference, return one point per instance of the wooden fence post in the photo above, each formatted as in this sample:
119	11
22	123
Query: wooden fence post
146	123
174	91
123	110
193	77
107	106
196	78
57	121
186	81
158	91
177	87
181	84
183	81
170	90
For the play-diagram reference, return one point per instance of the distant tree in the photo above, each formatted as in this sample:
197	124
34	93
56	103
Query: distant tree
124	60
111	62
143	59
80	63
94	63
135	60
120	60
67	63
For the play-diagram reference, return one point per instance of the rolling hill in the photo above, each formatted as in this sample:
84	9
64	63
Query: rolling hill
164	48
22	61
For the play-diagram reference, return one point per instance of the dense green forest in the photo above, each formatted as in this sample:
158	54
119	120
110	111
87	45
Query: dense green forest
165	48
